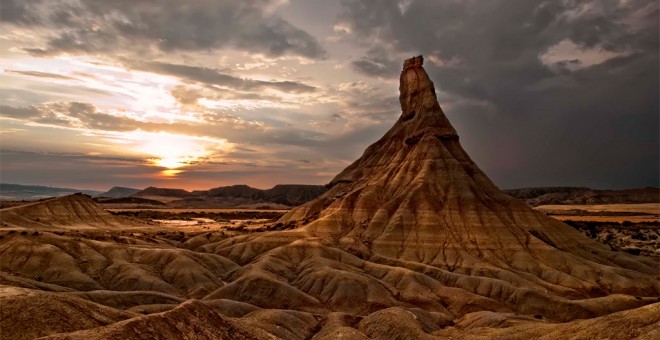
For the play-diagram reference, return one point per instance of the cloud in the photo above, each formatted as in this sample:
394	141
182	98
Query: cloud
212	76
254	144
96	26
358	100
70	114
378	62
558	77
40	74
101	172
80	156
568	55
24	112
217	125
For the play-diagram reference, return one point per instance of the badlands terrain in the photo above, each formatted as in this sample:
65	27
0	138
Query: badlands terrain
411	241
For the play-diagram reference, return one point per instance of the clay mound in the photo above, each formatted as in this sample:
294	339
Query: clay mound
639	323
28	314
398	323
7	279
90	265
340	326
191	320
128	299
231	308
416	196
306	274
283	324
75	210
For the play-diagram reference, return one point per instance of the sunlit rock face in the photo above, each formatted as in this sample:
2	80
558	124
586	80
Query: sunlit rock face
411	241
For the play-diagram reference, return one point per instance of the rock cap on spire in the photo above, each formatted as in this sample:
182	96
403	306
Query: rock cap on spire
414	62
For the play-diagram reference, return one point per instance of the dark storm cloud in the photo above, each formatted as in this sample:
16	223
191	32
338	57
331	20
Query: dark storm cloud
102	26
361	100
377	63
214	77
588	119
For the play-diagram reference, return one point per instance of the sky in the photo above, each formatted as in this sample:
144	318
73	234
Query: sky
204	93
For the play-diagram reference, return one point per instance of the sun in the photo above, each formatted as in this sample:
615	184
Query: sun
173	151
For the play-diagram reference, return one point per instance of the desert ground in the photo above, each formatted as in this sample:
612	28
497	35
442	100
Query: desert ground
411	241
139	280
641	208
650	212
633	227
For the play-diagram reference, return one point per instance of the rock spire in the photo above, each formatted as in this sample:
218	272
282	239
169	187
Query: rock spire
415	195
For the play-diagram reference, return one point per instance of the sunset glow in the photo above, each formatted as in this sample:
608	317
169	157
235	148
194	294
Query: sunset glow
175	151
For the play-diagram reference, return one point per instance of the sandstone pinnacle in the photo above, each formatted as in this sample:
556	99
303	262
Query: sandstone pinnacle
416	196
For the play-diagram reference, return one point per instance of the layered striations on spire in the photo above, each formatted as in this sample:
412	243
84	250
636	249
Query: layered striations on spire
415	222
415	195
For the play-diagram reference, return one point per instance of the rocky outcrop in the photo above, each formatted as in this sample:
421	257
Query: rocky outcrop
191	320
29	314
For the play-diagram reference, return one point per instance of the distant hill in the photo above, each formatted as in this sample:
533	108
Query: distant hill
232	191
127	200
287	194
582	195
233	196
119	192
34	192
66	211
293	194
163	192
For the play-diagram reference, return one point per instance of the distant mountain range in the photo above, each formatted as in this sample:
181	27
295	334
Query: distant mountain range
290	195
582	195
282	195
33	192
